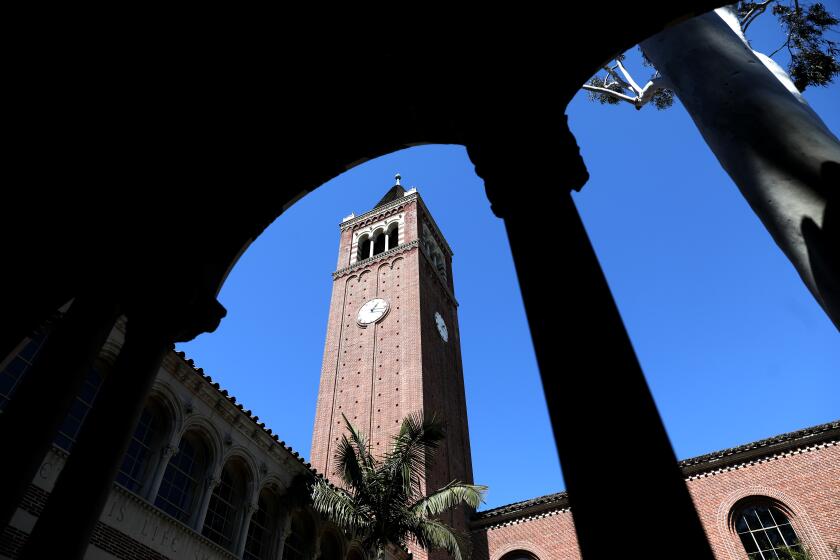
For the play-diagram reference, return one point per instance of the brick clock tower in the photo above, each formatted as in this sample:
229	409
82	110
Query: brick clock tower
393	346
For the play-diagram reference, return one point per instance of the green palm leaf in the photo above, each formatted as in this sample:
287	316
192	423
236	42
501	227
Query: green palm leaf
340	507
382	500
431	533
448	497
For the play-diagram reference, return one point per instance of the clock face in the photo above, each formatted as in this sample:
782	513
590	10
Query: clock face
372	311
441	327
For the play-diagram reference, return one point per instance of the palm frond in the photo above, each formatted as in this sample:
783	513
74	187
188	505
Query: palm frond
339	506
348	462
451	495
431	534
417	437
353	458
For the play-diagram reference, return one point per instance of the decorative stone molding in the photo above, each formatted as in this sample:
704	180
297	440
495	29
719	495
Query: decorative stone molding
405	247
435	229
750	462
527	546
168	451
506	522
443	283
802	524
379	213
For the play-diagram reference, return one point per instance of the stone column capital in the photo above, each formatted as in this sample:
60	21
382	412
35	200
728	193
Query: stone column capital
536	156
168	451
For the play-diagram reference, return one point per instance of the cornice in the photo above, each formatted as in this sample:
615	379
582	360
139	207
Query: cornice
519	512
380	257
783	444
218	399
160	514
385	210
778	447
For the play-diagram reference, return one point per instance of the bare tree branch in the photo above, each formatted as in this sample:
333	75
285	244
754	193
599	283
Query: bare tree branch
629	78
627	98
754	13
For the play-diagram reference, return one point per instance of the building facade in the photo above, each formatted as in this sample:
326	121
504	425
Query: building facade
393	344
204	479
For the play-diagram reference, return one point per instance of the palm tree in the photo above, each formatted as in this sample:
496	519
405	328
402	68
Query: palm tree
383	502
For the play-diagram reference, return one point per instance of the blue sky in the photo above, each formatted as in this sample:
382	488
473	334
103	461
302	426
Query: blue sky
733	346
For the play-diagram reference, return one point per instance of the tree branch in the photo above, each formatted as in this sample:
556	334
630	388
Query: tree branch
615	94
753	14
650	89
618	79
629	78
785	44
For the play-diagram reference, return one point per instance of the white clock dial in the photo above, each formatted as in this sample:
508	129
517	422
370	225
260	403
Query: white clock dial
372	311
441	327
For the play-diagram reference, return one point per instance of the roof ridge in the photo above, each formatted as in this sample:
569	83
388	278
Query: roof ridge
684	465
232	399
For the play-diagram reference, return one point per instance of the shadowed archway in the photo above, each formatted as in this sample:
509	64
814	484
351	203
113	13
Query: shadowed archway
165	186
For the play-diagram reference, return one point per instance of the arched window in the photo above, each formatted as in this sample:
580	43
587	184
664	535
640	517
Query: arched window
393	236
222	521
440	264
179	488
14	370
258	545
66	436
330	547
378	242
363	249
765	530
519	555
355	554
299	540
137	462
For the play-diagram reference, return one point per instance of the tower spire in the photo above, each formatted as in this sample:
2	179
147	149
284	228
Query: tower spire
397	178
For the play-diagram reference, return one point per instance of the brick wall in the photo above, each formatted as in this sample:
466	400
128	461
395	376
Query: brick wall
806	481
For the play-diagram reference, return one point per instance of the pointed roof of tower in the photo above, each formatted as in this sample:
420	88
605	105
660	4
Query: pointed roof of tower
394	193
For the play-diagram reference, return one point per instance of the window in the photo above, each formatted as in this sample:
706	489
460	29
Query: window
11	375
393	236
222	514
519	555
378	242
330	548
137	458
178	489
66	436
765	531
261	529
363	250
297	541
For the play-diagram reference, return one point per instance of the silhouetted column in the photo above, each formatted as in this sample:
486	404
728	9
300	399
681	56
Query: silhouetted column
75	504
45	393
609	435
